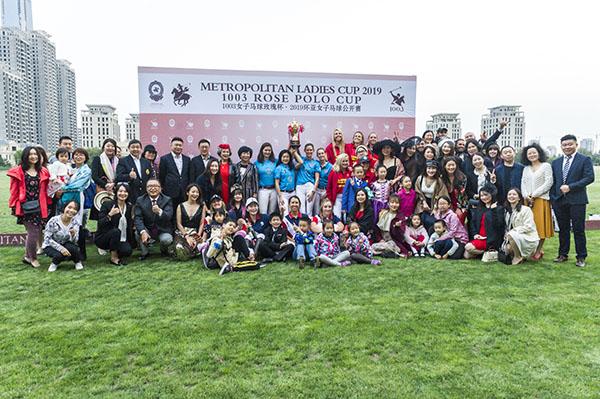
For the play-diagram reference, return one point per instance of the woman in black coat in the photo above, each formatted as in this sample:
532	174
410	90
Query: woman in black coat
104	170
210	182
115	226
486	224
362	213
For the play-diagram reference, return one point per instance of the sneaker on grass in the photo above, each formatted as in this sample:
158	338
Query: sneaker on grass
226	269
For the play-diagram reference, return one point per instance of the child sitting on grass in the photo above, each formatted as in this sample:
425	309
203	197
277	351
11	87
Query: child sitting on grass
229	252
441	245
275	246
391	225
327	245
416	236
305	247
358	246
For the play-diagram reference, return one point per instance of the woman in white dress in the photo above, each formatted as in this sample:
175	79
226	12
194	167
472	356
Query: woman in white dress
521	232
535	186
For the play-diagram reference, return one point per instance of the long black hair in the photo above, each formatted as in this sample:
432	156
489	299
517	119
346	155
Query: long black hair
507	204
25	158
459	177
356	206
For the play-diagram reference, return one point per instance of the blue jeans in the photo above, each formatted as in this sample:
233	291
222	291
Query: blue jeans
304	250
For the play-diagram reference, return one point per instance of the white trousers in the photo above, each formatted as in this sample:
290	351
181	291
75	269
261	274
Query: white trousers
320	194
285	205
303	191
267	201
337	207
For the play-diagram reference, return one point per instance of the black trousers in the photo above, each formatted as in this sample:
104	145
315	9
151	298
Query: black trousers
284	253
111	241
571	215
58	257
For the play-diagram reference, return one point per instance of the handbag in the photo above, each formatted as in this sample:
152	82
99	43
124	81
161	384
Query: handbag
31	207
490	256
504	256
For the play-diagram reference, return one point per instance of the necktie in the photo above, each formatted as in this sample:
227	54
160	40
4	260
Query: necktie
566	169
154	228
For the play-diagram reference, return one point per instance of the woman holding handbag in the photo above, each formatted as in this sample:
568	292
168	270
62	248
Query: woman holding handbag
521	239
29	199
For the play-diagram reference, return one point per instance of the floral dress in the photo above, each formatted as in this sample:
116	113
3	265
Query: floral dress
32	193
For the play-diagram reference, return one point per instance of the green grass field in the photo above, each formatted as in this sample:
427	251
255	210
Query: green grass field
416	328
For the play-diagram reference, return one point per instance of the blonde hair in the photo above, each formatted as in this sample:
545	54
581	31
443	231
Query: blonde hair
342	144
338	162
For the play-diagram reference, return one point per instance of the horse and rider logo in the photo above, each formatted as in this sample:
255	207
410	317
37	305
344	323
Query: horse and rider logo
180	95
398	99
156	90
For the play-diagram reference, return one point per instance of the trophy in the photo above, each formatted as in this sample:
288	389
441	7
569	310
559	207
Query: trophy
294	130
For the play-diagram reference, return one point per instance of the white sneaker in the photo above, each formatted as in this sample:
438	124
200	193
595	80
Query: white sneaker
78	266
52	267
102	252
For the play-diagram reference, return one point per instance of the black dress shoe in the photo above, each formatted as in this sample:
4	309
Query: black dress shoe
143	257
561	259
580	262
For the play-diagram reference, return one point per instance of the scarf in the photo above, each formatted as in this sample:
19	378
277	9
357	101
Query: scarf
108	166
123	224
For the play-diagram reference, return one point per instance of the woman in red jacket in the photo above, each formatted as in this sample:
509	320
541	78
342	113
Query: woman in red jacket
336	182
29	199
357	140
336	147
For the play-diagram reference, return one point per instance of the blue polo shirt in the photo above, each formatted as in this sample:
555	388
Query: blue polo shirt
286	176
306	173
266	173
325	171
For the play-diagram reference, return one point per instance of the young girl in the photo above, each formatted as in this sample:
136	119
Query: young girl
441	245
416	236
213	229
381	189
408	197
358	246
391	226
237	210
327	245
60	171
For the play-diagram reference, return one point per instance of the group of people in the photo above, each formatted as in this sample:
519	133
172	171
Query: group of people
346	203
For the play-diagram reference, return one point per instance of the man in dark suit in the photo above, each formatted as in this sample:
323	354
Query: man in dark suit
153	216
199	162
174	172
134	170
572	173
508	173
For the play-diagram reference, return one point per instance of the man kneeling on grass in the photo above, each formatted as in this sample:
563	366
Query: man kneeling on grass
229	251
